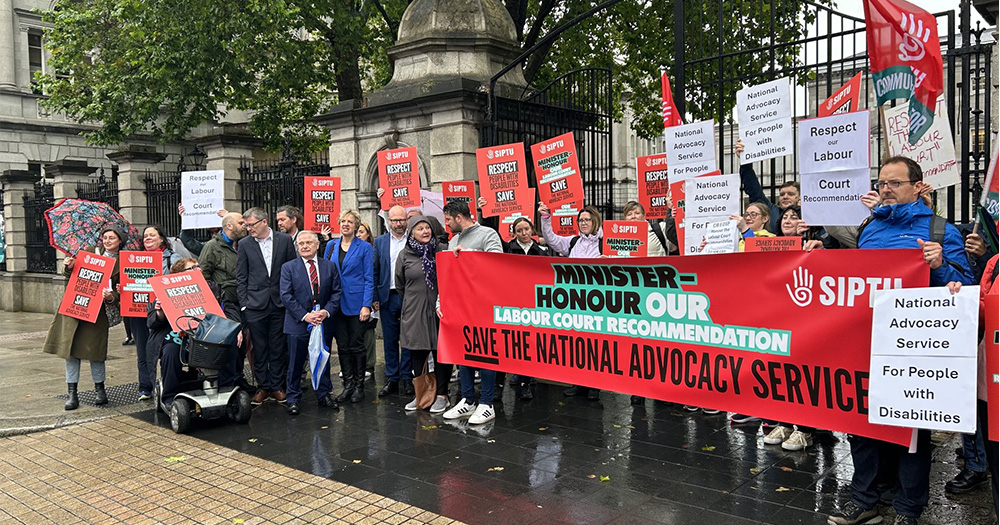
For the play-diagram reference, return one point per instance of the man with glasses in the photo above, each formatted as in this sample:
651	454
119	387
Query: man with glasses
900	219
258	288
389	304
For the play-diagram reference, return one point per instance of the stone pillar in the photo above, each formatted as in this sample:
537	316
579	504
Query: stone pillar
8	78
454	138
224	152
68	175
133	162
17	185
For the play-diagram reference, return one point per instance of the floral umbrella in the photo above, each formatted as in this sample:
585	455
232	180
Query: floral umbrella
75	224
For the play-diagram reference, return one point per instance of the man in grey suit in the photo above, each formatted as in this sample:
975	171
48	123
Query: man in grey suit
258	287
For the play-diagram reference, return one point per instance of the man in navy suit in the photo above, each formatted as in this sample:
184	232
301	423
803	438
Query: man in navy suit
398	376
310	289
258	288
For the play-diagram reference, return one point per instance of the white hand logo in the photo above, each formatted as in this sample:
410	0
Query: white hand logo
914	38
802	295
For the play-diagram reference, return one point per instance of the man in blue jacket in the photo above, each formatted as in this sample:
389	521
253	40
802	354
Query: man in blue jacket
389	304
901	220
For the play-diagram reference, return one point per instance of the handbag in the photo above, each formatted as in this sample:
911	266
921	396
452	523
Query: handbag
212	342
114	312
425	388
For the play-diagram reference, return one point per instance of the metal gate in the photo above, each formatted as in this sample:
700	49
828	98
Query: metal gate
41	254
577	102
707	74
272	184
163	192
101	190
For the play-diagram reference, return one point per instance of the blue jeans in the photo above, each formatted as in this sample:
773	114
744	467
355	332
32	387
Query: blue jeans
974	451
913	473
467	376
97	370
397	360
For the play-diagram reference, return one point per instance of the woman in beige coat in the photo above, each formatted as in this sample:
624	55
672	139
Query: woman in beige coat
74	340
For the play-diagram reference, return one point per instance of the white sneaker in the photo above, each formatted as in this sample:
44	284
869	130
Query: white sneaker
368	375
440	405
777	435
483	414
412	405
798	441
461	409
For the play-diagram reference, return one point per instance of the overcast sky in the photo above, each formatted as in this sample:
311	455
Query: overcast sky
932	6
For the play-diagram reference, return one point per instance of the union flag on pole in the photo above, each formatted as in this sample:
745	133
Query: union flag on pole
990	201
670	115
905	55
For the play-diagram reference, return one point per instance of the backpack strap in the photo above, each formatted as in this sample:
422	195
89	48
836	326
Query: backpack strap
658	232
572	243
937	229
861	228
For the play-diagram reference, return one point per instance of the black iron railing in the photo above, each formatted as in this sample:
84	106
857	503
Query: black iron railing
101	190
41	255
271	184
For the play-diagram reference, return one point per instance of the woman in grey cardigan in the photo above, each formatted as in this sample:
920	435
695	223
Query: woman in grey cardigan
416	282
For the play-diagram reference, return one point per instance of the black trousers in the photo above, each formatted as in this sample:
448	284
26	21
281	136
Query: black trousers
442	372
270	349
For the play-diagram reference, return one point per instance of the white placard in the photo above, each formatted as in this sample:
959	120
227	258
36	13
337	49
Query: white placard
696	230
834	198
934	152
690	150
926	321
834	143
924	364
712	196
764	113
202	197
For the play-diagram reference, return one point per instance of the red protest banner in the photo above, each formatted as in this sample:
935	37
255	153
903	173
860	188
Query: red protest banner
459	191
654	189
844	100
135	269
321	206
993	361
772	244
399	176
625	238
501	173
183	294
85	291
557	169
677	332
523	206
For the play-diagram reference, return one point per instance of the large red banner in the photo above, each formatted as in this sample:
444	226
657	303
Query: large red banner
85	291
682	329
503	180
185	294
321	204
993	362
557	169
654	188
135	269
399	176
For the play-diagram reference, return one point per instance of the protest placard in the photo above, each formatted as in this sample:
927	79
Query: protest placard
565	225
690	150
463	191
654	185
501	171
135	269
321	206
772	244
85	292
399	176
202	197
923	364
834	198
834	143
764	113
625	238
677	332
844	100
557	170
721	236
934	152
712	196
522	205
185	294
992	340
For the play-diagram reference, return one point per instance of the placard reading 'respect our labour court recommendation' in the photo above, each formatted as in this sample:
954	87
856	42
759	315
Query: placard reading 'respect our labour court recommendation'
202	197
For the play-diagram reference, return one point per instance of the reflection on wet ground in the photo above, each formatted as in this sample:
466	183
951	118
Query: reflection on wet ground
567	460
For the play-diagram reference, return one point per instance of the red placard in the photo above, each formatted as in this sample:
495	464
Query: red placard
134	271
399	176
993	361
844	100
565	225
501	175
625	238
183	294
772	244
459	191
85	291
654	189
557	169
677	332
523	207
322	203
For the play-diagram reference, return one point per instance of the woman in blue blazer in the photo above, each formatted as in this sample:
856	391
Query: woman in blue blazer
355	260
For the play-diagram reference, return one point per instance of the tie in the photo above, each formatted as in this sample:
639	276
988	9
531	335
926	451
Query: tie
314	278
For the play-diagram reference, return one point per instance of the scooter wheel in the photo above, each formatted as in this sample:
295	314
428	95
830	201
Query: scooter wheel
239	409
180	415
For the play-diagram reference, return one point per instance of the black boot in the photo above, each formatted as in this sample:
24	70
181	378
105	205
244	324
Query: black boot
360	361
73	402
347	370
102	395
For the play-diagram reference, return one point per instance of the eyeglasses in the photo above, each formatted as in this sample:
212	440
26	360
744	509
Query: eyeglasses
751	215
879	184
581	221
194	267
397	220
252	224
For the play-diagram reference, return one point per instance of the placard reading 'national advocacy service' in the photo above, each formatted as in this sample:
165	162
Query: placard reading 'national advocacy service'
202	197
923	364
690	150
764	113
712	196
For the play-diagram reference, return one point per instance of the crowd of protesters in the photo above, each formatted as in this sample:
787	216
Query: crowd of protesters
279	282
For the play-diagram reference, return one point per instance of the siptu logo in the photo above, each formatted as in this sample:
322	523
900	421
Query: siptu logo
915	35
614	228
802	280
388	155
489	154
649	162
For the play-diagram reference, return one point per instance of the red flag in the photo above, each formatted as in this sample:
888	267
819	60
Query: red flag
905	54
670	115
